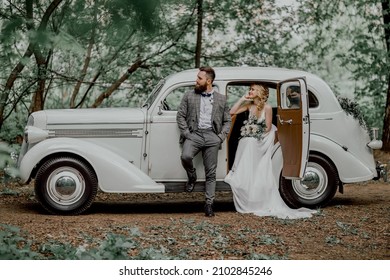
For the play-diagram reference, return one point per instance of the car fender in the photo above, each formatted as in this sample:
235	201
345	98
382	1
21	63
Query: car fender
349	167
114	173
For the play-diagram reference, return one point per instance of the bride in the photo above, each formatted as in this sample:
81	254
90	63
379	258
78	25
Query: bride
251	177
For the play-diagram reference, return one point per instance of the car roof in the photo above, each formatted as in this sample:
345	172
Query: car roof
270	74
246	73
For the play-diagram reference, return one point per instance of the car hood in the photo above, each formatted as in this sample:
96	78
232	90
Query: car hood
90	116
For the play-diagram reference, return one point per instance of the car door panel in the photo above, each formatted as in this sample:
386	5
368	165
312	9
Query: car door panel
293	128
164	160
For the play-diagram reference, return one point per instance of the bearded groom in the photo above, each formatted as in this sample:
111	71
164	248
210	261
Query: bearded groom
204	122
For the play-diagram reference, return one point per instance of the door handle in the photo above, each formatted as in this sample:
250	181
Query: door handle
283	121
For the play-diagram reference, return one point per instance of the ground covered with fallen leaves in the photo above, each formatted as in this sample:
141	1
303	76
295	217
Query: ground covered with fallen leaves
354	226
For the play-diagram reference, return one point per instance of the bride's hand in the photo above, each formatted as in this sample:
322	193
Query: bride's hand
247	97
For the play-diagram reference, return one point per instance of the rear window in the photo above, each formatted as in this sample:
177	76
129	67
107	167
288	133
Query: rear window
313	101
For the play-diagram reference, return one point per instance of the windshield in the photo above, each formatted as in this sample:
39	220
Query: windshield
149	101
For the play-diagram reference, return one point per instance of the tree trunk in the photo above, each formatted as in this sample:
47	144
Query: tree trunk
38	100
76	89
386	121
198	50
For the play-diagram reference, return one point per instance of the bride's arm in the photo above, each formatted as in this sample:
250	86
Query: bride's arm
268	117
240	106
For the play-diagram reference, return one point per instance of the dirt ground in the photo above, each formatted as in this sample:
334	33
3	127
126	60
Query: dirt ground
354	226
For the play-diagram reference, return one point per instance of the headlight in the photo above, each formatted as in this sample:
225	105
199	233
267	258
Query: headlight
33	134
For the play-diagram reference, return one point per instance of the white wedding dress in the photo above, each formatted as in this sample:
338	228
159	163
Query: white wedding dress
252	181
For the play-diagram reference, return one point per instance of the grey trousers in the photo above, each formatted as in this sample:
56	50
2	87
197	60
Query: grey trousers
208	142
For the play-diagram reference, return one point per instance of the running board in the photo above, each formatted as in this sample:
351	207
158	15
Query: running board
175	187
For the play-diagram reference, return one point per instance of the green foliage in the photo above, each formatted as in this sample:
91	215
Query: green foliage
89	45
113	247
13	246
10	192
8	168
129	245
143	13
59	251
246	243
348	41
12	130
352	108
214	236
256	256
268	240
161	253
332	240
347	228
5	157
9	27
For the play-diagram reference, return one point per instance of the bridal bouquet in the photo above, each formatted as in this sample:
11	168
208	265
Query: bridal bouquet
253	128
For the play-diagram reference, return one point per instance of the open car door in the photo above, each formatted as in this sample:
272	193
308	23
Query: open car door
293	126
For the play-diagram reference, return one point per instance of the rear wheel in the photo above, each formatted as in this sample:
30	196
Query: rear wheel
316	189
65	185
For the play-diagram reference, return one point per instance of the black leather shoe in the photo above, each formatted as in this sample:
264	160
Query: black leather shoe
208	210
191	183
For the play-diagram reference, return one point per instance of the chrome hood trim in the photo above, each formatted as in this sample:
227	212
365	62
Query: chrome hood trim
94	117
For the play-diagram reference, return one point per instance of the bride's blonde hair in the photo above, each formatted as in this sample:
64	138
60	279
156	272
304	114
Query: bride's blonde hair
263	94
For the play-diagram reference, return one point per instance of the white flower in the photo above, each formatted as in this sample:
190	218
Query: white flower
253	128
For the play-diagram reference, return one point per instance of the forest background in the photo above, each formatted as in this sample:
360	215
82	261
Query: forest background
111	53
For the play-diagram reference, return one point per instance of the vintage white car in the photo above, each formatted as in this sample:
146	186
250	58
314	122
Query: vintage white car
73	153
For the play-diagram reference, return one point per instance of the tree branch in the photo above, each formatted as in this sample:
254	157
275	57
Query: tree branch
20	66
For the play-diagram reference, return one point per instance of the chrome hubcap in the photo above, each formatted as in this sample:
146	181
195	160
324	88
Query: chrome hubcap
314	183
65	186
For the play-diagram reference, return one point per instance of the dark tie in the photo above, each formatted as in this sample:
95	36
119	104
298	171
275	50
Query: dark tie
206	94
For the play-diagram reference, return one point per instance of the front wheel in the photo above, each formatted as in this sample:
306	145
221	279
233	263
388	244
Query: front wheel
316	189
65	185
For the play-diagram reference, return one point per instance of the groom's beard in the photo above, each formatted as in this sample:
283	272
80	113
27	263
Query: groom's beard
200	88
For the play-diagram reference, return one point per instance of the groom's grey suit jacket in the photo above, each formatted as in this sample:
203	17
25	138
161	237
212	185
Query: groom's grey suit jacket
189	113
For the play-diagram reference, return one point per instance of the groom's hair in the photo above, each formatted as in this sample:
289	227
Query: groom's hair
210	73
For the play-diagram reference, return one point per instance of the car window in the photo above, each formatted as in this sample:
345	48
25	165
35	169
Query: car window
149	101
291	100
313	101
173	99
235	91
291	97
